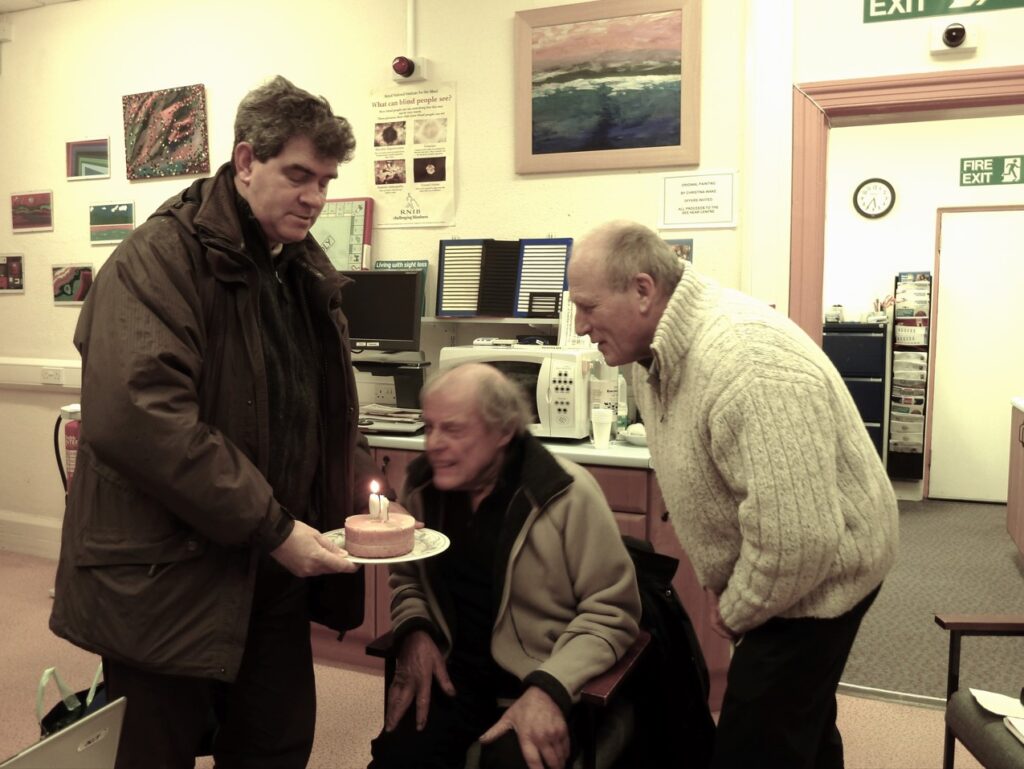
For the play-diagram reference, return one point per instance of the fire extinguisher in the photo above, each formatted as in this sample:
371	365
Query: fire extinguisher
71	415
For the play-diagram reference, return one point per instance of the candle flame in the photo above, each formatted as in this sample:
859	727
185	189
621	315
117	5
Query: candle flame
374	487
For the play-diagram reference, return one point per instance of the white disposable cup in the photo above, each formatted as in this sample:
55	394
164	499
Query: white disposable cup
601	420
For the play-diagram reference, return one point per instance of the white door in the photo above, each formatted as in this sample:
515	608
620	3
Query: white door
977	353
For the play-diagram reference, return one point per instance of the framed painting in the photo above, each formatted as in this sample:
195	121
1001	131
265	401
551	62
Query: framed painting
606	85
110	223
32	211
12	274
71	283
88	159
165	133
683	248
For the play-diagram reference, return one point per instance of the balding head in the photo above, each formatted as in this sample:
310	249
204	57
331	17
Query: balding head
499	402
621	249
471	413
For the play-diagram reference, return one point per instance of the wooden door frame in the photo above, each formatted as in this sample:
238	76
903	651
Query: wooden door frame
816	105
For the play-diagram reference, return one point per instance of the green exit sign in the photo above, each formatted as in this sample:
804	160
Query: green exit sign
894	10
978	172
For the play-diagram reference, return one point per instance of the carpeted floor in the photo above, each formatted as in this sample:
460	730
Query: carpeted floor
877	734
954	557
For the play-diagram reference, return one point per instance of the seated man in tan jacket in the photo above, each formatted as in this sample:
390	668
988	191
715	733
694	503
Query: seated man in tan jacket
536	594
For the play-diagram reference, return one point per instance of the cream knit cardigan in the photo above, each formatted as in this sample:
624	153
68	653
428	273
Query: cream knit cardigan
772	483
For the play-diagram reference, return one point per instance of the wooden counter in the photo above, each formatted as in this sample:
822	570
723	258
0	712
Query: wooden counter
1015	490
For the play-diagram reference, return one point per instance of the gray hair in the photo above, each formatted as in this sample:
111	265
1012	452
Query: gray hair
501	403
628	248
272	114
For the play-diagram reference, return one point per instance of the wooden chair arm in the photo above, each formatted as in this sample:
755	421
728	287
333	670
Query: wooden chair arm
382	646
601	688
982	624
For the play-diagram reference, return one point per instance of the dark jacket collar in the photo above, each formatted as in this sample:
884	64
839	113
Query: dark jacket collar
209	208
539	481
541	477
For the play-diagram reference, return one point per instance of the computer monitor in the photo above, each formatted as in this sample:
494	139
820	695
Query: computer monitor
383	309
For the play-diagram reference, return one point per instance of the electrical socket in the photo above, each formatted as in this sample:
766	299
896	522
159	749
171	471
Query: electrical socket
51	376
385	394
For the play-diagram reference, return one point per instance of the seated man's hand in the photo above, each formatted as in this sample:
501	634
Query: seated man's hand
419	663
539	725
306	552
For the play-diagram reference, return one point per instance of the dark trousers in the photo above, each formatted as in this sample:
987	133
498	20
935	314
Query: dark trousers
266	717
453	725
780	699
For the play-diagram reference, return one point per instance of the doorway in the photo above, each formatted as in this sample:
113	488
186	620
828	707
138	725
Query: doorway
817	106
975	370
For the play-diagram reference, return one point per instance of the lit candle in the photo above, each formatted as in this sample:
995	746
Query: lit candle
375	498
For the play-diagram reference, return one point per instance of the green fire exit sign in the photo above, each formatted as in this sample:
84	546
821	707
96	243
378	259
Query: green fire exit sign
894	10
975	172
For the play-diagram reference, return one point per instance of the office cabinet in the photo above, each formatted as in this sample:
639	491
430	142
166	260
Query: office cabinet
860	352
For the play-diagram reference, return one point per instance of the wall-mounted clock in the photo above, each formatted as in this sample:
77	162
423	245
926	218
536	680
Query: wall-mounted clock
874	198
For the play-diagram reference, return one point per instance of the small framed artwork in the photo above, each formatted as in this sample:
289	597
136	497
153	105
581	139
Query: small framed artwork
165	133
88	159
71	283
683	248
12	272
110	223
32	211
607	84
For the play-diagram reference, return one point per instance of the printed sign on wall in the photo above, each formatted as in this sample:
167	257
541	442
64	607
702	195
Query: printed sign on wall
976	172
895	10
413	155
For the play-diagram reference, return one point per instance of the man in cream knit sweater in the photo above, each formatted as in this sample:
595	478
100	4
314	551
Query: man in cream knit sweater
773	485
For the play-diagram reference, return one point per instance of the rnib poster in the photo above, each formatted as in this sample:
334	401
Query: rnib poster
413	153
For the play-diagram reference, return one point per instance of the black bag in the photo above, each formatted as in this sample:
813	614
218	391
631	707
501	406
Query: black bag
72	706
674	726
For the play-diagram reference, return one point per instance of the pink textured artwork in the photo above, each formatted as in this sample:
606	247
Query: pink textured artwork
165	133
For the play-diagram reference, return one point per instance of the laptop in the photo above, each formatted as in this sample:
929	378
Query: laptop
378	418
89	743
403	427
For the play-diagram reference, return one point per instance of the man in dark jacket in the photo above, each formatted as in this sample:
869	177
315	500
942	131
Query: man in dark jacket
218	440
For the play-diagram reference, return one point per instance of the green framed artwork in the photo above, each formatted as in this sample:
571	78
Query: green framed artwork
110	223
88	159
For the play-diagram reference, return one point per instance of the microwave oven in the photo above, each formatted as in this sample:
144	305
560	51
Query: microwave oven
556	381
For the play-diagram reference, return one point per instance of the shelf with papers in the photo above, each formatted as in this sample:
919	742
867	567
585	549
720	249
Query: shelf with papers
908	399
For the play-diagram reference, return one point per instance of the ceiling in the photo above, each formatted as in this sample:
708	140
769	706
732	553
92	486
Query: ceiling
8	6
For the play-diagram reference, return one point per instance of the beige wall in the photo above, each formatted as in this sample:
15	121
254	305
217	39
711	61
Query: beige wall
64	72
921	160
833	43
67	66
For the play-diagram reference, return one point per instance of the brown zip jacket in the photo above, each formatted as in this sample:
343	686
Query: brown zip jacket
170	508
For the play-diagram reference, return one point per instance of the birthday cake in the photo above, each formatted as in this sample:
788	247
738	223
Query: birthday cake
367	537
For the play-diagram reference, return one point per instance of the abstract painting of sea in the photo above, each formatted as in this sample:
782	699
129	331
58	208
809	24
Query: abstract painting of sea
607	84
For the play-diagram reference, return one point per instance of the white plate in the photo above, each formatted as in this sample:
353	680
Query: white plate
426	542
636	440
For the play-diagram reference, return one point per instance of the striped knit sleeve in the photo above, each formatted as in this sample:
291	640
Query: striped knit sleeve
774	441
